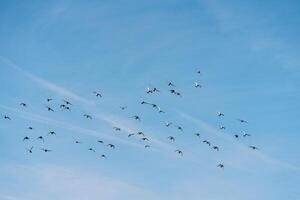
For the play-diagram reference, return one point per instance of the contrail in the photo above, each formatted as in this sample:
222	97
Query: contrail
243	147
46	84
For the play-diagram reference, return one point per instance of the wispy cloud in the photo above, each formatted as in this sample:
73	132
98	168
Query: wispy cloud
243	148
46	84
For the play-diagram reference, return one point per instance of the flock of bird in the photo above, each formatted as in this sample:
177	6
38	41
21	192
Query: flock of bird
67	105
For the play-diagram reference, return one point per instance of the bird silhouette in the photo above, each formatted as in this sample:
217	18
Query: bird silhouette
91	149
26	138
197	134
246	135
222	127
98	94
49	109
7	117
123	107
167	124
253	147
23	104
87	116
179	128
171	84
236	136
68	102
220	114
242	120
46	150
147	146
111	146
140	133
197	85
49	99
207	142
144	102
103	156
216	148
30	150
144	138
130	134
136	117
30	128
51	133
116	128
40	138
220	166
171	138
100	141
179	152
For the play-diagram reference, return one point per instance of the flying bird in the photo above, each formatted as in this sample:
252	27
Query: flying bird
91	149
171	84
30	128
220	114
220	166
197	85
246	134
179	152
144	138
98	94
7	117
46	150
49	109
100	141
130	134
168	124
236	136
26	138
222	127
116	128
179	128
216	148
23	104
136	117
243	121
123	107
253	147
103	156
147	146
111	146
49	99
30	150
140	133
40	138
171	138
68	102
207	142
197	134
87	116
51	133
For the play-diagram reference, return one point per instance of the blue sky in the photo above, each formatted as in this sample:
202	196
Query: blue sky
247	53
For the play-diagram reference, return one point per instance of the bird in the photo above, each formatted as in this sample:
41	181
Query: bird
171	138
178	94
242	121
197	134
111	146
49	99
167	124
236	136
23	104
222	127
103	156
26	138
136	117
100	141
116	128
30	150
179	152
246	134
149	90
46	150
52	133
130	134
171	84
98	94
220	166
207	142
30	128
140	133
220	114
62	106
197	85
123	107
198	72
161	111
144	138
216	148
91	149
40	138
87	116
144	102
7	117
253	147
179	128
49	109
147	146
155	89
68	102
